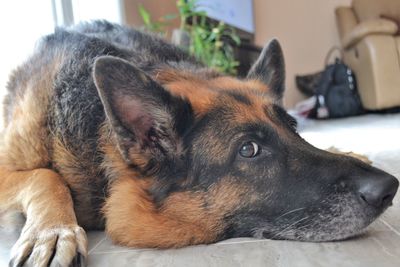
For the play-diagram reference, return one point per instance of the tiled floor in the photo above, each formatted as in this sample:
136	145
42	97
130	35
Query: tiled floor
375	136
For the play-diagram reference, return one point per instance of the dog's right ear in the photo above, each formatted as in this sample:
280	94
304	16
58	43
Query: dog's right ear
270	69
146	118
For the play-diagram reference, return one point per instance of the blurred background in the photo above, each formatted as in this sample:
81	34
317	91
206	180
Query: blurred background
228	35
305	28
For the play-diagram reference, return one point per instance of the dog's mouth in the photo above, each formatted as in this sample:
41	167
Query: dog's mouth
314	233
311	237
339	219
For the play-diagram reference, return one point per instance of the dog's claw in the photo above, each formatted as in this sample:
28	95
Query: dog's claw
79	260
62	246
21	255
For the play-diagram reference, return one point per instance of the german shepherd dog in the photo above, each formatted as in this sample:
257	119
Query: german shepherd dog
108	127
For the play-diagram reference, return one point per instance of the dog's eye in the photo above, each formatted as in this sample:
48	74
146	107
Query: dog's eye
249	150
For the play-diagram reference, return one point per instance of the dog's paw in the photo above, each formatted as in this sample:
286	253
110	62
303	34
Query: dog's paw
61	246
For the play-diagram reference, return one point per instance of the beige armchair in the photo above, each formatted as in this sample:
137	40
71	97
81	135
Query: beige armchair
370	37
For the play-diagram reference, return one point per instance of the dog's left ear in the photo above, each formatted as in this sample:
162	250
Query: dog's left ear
147	120
270	69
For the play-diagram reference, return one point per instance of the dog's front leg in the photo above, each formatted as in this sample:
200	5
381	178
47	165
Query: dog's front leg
51	235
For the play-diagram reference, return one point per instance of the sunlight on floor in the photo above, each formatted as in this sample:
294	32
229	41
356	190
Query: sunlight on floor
366	134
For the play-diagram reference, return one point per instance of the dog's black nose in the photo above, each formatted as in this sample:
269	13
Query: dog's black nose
378	191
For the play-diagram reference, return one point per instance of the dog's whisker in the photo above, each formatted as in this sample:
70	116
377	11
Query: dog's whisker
289	226
289	212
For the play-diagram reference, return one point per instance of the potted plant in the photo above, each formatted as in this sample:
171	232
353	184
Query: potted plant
211	42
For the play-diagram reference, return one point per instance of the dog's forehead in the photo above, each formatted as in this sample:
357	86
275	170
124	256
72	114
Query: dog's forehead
247	99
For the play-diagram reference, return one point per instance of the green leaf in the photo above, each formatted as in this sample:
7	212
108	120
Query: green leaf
235	38
145	15
211	42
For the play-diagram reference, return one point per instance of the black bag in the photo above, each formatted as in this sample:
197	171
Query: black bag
336	93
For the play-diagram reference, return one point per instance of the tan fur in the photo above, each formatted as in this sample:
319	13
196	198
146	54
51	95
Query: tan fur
34	191
24	141
45	200
185	218
350	153
230	83
132	219
203	92
200	96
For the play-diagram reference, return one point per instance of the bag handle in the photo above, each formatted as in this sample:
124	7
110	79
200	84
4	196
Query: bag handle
330	53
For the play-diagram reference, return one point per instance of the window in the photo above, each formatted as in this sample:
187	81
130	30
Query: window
24	22
110	10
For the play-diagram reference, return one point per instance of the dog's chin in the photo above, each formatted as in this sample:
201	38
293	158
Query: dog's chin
317	232
315	236
343	220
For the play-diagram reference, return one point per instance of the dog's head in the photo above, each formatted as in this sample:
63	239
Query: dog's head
224	157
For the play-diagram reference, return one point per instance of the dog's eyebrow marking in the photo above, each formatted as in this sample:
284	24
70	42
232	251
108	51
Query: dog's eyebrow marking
279	115
268	112
284	116
239	97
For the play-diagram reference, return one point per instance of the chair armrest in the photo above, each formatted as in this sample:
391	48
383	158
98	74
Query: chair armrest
368	27
346	20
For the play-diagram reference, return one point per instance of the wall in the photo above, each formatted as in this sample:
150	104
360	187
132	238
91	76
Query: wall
156	8
306	30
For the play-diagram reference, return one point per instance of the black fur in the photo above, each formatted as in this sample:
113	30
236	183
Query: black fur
239	97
